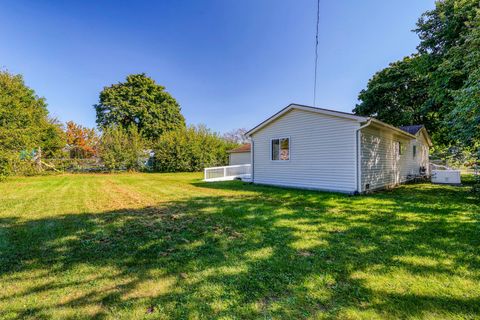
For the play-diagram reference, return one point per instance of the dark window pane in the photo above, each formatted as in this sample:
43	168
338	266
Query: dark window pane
275	149
396	148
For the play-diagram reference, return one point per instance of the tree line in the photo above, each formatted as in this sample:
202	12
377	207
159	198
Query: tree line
140	127
438	85
140	123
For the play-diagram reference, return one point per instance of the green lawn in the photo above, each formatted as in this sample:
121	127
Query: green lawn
168	246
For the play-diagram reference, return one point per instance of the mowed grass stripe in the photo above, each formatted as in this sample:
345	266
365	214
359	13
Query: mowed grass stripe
168	246
28	195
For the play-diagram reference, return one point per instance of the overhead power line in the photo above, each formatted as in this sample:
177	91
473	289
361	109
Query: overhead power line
316	56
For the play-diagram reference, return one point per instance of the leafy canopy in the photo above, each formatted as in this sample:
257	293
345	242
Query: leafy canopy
439	85
24	121
141	103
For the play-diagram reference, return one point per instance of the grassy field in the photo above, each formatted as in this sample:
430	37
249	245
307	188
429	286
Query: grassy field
167	246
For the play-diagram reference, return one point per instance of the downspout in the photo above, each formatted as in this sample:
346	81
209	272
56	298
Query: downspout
252	157
359	155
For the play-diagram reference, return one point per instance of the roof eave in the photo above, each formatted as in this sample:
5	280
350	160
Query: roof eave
427	136
400	131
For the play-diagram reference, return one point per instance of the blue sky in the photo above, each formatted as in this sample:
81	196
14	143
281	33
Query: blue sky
229	63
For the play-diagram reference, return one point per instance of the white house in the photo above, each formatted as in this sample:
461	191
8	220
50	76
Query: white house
240	155
314	148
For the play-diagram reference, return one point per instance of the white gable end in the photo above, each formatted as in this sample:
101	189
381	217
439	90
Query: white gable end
322	151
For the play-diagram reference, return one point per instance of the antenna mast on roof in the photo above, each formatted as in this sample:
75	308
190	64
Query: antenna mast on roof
316	55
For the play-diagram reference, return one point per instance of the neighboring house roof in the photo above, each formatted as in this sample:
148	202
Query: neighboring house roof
243	148
412	129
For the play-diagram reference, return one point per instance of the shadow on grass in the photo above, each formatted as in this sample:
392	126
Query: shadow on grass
270	252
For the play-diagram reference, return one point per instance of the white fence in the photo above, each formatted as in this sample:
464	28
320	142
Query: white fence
242	171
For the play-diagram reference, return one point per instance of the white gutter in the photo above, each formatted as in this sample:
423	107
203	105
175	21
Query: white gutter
359	155
366	124
386	125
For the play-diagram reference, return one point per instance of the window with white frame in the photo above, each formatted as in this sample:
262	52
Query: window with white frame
414	151
280	149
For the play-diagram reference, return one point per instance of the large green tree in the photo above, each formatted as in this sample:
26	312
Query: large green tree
397	94
139	102
446	25
464	118
437	86
24	125
24	121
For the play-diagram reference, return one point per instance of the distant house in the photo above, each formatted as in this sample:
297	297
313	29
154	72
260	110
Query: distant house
315	148
240	155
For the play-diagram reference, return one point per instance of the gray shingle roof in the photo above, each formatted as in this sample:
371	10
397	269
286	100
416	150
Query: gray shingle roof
412	129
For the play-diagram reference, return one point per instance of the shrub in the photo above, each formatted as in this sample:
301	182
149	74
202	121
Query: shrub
5	165
190	149
122	149
476	166
476	185
476	189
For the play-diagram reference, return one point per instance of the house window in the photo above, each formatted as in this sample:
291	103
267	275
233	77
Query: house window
281	149
414	151
398	148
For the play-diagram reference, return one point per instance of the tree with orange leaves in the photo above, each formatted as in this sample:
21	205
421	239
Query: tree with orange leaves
81	141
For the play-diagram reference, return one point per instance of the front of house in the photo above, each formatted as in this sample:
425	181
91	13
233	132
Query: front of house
321	149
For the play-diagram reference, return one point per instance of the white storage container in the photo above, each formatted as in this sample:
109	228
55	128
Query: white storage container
446	176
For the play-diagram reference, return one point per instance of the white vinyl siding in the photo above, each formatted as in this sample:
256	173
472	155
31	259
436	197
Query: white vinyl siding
322	152
237	158
422	158
382	165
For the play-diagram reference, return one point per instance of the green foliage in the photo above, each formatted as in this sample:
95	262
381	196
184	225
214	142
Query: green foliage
464	119
139	102
397	94
23	115
190	149
476	166
5	165
445	26
53	140
122	149
24	124
440	85
476	188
